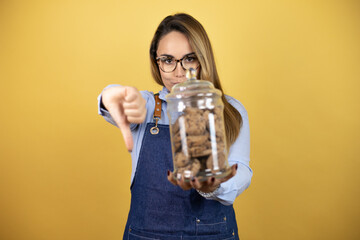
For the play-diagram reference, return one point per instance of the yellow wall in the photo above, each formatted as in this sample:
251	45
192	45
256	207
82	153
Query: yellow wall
295	65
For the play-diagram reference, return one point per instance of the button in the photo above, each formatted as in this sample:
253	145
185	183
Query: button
224	218
198	220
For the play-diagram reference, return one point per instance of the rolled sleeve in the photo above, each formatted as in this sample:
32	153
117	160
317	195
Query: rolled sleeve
239	154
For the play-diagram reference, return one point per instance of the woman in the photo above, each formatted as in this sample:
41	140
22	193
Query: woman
161	207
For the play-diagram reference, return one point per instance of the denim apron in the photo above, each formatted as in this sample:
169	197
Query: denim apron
160	210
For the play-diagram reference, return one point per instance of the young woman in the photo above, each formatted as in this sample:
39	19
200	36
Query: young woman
161	207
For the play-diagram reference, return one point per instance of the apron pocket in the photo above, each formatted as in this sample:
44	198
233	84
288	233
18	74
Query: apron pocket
211	226
224	236
134	234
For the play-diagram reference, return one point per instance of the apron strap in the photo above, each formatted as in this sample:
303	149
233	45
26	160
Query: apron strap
157	114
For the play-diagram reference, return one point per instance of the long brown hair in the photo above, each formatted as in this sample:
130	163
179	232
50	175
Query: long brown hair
200	43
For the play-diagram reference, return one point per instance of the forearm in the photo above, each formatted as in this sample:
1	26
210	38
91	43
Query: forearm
232	188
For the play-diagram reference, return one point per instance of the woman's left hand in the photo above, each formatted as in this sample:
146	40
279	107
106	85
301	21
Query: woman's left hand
206	186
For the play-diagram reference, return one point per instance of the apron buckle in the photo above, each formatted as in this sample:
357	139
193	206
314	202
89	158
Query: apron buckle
155	130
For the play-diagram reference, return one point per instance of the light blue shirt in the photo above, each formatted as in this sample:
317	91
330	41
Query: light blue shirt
239	152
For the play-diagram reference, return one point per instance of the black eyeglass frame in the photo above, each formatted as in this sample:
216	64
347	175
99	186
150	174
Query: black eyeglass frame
176	60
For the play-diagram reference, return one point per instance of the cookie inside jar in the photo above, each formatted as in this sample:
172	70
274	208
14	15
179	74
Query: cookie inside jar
198	142
197	131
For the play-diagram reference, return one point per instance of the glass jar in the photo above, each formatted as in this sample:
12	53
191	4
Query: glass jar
197	131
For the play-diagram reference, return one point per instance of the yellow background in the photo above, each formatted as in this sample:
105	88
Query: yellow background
295	65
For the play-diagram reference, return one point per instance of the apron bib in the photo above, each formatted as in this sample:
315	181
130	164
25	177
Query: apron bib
160	210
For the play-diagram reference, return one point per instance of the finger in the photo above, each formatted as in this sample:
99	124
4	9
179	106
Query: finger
170	177
195	183
124	127
184	185
119	117
133	112
132	105
128	139
135	116
131	94
135	120
210	185
113	99
210	182
123	123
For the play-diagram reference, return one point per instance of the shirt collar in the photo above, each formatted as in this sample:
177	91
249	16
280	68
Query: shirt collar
163	93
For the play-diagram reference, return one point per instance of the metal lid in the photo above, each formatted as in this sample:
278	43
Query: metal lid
192	88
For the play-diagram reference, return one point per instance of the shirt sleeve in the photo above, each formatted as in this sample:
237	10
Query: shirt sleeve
239	153
101	108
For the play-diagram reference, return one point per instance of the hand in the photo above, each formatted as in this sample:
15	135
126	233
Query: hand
206	186
125	105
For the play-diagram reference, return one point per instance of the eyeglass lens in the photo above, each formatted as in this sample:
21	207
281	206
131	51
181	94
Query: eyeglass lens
169	64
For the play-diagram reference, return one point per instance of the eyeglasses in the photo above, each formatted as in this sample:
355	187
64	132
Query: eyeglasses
169	63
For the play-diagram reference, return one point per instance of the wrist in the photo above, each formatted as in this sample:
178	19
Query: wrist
209	194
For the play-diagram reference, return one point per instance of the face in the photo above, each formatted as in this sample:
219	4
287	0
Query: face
177	45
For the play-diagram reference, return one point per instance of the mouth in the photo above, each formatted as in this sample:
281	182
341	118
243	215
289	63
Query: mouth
175	84
179	81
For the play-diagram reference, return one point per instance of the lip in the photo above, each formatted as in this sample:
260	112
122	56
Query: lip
175	84
179	82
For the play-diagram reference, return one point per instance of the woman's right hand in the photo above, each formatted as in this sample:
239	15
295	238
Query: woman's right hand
125	105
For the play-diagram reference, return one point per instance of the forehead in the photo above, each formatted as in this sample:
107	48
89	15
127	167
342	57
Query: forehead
175	44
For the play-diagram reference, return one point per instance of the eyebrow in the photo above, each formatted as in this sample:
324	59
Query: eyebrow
168	55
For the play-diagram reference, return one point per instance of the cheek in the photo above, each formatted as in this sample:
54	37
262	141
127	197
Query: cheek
162	75
165	80
165	77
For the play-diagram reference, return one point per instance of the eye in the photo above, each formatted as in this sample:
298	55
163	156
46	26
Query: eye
167	60
190	58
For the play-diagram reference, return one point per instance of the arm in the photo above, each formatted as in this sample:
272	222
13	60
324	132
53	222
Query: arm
239	154
225	190
101	108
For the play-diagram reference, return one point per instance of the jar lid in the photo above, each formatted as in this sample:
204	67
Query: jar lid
192	87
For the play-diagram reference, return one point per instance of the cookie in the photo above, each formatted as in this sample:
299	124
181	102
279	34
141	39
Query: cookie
220	161
196	128
181	160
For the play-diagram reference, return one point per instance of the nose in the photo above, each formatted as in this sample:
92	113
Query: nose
179	70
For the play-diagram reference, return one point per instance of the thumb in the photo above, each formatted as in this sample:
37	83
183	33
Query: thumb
117	113
124	126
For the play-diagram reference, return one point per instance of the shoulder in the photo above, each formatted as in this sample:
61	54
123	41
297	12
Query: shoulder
149	96
237	105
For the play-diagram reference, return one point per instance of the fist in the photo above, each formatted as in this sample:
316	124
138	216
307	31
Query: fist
125	105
